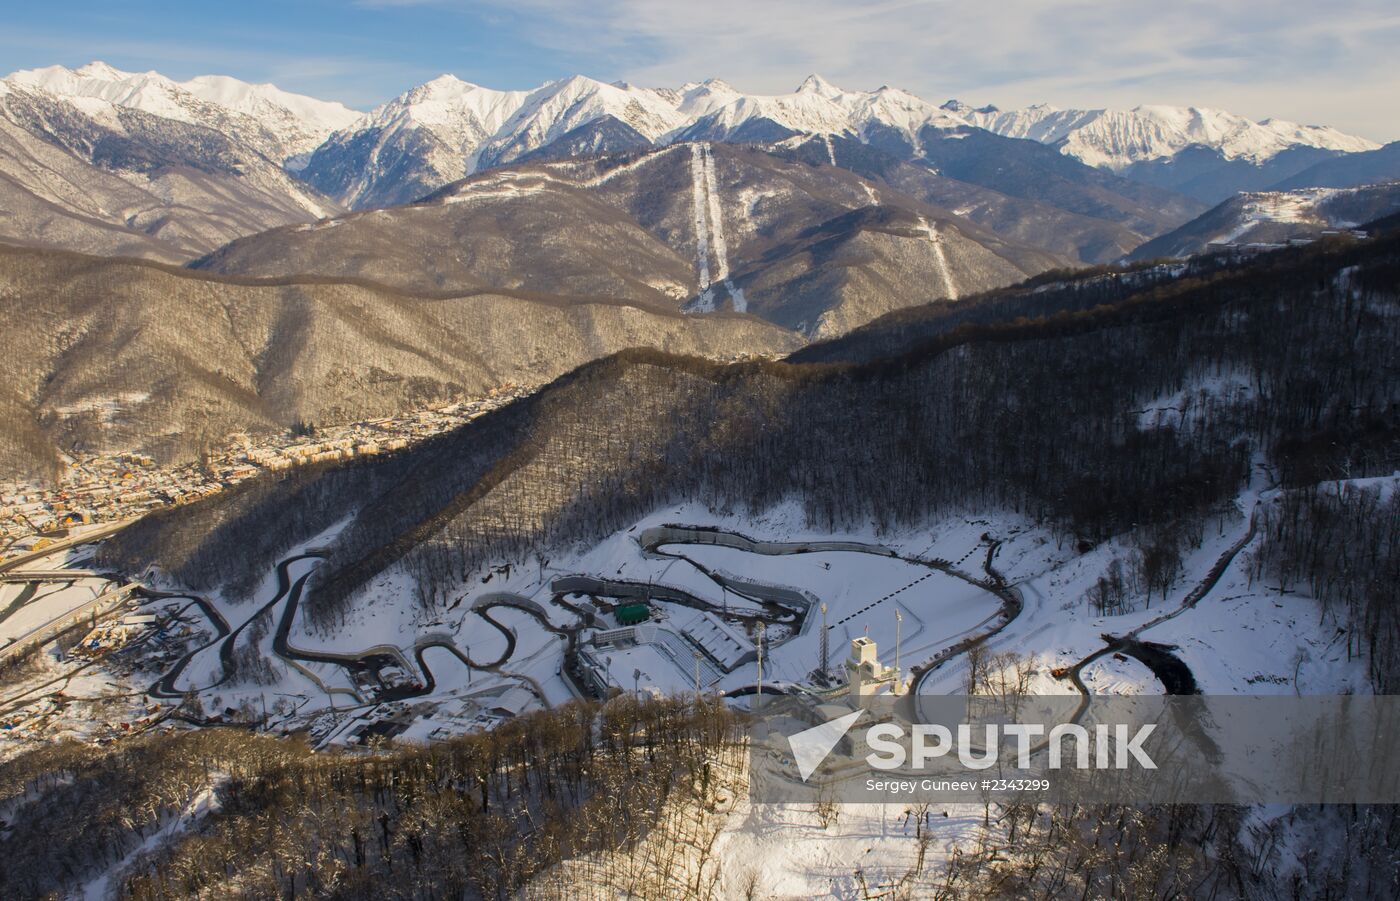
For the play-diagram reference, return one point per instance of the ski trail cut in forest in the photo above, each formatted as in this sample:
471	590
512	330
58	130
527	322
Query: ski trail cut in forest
709	234
936	239
721	244
830	151
625	168
716	229
706	301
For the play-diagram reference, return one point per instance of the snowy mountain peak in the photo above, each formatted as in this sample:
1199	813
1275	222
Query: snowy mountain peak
1115	139
559	107
960	109
98	69
260	100
277	123
815	84
448	81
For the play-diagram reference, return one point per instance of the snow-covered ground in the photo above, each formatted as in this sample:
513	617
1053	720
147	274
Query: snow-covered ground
1236	638
862	592
792	851
48	603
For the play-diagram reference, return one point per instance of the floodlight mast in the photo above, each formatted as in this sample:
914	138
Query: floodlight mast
898	619
759	643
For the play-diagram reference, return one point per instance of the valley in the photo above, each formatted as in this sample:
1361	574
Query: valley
483	493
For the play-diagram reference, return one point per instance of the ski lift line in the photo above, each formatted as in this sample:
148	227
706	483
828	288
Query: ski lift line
873	604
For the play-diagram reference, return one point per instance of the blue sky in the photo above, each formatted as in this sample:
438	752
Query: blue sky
1330	62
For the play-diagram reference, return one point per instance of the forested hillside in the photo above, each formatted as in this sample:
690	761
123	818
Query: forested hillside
803	243
110	355
481	816
1043	415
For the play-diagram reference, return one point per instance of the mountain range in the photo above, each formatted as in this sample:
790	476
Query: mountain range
108	162
596	213
447	128
99	160
699	226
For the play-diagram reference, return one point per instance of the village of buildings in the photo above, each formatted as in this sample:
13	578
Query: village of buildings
101	488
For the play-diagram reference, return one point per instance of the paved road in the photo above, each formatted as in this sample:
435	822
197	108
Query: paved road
101	605
291	590
64	544
49	575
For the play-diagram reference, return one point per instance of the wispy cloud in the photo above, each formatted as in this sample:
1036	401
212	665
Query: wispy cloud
1315	62
1294	59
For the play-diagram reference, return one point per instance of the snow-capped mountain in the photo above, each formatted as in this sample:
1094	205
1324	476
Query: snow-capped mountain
109	162
819	107
1115	139
447	129
1205	153
562	106
1127	168
279	124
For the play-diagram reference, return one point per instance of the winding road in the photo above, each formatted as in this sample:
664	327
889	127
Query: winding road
775	604
290	591
1176	677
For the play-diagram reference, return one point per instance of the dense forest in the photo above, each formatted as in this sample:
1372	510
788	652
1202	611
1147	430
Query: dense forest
623	800
480	816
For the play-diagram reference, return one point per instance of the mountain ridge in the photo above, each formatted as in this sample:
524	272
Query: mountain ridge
810	246
451	115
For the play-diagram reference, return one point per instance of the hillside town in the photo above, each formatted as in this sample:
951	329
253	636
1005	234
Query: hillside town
101	488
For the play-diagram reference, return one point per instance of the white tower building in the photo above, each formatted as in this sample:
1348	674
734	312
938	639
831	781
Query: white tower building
865	674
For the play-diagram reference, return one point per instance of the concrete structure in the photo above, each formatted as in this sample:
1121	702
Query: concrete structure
866	675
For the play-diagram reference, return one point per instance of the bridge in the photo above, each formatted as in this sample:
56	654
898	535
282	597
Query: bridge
99	606
49	575
87	536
